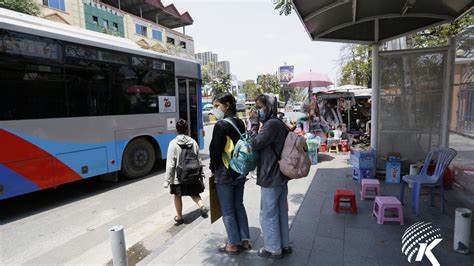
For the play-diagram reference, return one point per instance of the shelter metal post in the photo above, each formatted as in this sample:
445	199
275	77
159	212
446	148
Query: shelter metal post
447	91
375	96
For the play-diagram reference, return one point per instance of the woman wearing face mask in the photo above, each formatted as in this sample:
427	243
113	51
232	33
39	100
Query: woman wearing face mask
229	184
269	140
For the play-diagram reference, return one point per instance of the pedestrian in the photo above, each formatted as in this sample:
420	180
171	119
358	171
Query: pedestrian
229	184
269	140
192	184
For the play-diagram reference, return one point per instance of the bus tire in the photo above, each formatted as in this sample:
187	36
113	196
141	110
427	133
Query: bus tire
138	158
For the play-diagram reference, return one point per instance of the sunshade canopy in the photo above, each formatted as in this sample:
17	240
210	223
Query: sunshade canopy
355	20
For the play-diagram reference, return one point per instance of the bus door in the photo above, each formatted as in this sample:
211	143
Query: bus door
188	105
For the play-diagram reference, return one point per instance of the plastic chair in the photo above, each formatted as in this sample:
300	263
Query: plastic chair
443	156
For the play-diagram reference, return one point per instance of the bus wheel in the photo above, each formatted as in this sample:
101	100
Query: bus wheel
138	158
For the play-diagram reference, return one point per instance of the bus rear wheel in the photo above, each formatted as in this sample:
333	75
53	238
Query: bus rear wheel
138	158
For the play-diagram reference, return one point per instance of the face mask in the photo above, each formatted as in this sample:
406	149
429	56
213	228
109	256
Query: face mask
262	115
218	113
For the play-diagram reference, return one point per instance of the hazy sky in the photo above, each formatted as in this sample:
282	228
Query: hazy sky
255	38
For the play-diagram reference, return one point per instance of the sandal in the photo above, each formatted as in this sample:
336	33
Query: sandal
204	211
287	250
245	247
178	221
223	249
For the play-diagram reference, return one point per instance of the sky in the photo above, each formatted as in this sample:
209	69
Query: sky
255	38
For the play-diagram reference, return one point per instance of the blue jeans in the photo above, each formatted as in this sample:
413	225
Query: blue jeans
274	218
231	199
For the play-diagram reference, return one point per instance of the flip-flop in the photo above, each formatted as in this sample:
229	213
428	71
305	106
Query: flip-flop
223	249
178	221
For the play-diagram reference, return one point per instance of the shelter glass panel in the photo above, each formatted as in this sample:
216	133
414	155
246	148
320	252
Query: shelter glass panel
410	103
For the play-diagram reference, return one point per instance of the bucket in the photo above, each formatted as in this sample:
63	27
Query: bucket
414	169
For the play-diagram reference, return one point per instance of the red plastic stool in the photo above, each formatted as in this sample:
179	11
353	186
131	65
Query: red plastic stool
344	145
344	196
323	147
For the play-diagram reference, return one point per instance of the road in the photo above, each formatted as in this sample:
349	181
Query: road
69	225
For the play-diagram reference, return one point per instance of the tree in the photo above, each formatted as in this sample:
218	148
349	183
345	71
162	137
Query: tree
269	83
356	65
285	6
207	74
221	83
438	36
250	89
29	7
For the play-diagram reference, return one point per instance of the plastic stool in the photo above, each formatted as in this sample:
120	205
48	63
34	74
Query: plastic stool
369	185
382	203
344	196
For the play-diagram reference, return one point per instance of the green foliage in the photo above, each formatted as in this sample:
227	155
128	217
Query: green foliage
29	7
110	32
285	6
268	83
221	83
356	65
250	89
438	36
206	73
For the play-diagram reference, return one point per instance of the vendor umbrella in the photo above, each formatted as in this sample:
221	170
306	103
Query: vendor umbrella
310	80
139	89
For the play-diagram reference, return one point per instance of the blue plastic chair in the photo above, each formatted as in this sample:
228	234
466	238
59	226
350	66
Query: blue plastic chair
443	157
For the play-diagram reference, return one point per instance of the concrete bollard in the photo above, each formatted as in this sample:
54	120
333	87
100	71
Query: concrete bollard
119	250
462	230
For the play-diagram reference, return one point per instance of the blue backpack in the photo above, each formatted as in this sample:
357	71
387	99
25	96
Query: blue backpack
244	158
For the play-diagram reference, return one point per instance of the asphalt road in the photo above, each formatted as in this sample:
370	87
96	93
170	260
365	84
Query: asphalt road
69	225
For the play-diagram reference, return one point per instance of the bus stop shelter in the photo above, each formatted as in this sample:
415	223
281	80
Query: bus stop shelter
411	88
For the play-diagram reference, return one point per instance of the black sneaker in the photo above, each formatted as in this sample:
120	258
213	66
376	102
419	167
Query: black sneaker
266	254
204	211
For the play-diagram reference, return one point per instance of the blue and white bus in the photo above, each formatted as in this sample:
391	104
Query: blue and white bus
76	104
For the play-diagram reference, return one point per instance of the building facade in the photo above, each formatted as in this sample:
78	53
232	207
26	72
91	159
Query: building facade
224	66
150	24
212	59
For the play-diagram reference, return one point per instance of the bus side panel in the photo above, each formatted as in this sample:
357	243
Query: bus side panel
16	178
87	163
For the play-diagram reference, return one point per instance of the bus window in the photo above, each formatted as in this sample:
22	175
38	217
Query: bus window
30	91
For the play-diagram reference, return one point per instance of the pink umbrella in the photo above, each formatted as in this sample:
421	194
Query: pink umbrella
310	80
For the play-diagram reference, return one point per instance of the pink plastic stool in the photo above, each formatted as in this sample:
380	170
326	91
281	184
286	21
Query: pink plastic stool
382	203
369	185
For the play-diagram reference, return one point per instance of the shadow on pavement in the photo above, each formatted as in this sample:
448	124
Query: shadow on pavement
30	204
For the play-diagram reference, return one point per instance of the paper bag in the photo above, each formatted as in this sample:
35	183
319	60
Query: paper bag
214	201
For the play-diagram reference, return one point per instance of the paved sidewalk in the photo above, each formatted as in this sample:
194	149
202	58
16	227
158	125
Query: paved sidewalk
318	235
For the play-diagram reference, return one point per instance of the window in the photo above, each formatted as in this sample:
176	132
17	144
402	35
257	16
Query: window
30	90
182	44
140	30
56	4
105	24
170	40
157	35
115	26
95	20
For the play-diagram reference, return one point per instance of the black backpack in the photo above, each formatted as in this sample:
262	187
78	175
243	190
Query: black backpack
189	169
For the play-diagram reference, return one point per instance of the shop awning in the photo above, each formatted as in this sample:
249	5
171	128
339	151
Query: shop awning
356	20
154	10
